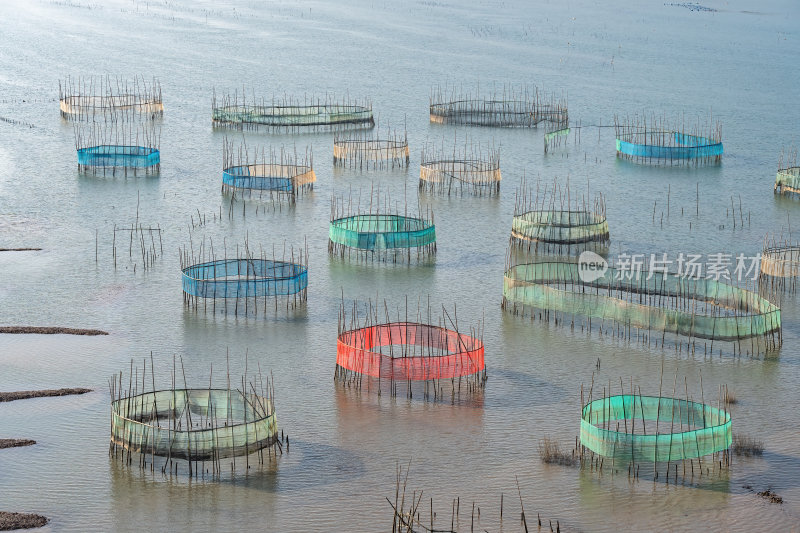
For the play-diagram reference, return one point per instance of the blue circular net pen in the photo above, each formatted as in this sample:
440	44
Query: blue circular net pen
263	179
382	236
119	159
249	281
644	306
661	143
233	111
627	429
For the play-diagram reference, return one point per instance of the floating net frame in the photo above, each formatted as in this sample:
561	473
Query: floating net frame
379	232
290	115
81	98
437	355
254	174
522	106
191	426
787	181
250	280
615	427
646	305
558	220
118	146
371	151
469	169
664	142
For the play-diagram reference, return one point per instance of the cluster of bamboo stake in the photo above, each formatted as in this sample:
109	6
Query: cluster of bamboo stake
511	106
371	151
149	433
558	219
373	350
276	174
468	168
648	290
408	513
83	98
285	113
356	228
253	280
716	463
663	141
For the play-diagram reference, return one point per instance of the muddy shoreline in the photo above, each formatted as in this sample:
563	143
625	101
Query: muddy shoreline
26	394
11	521
49	330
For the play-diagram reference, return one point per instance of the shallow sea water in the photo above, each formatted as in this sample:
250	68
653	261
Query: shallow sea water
608	59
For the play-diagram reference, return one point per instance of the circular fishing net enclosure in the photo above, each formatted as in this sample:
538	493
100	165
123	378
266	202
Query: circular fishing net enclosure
120	157
193	424
788	181
244	278
288	114
512	107
781	261
82	98
661	142
380	233
652	301
257	178
377	153
685	429
403	351
559	227
558	219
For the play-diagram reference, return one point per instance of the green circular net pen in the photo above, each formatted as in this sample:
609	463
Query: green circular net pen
788	180
381	233
685	430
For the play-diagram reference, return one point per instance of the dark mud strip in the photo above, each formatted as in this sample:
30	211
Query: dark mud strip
16	443
50	330
25	394
20	249
11	521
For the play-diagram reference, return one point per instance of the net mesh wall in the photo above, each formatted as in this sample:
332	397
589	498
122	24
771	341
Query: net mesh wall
462	355
369	150
682	146
713	433
119	156
502	113
560	227
470	172
559	287
242	278
788	180
293	115
134	426
381	232
783	261
85	104
268	177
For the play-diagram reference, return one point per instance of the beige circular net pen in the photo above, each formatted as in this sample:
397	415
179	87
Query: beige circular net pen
462	170
376	152
197	428
83	98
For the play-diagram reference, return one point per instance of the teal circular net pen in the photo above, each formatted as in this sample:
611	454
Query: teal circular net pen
614	427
